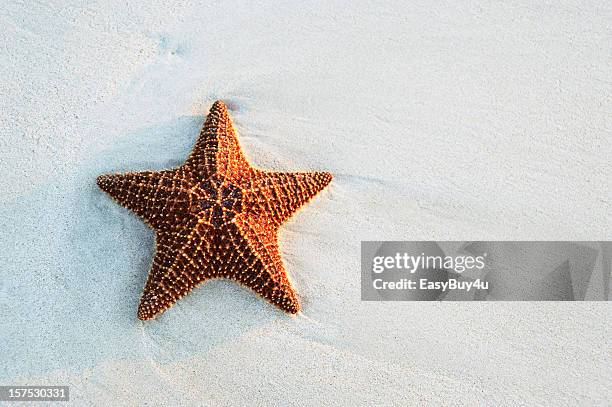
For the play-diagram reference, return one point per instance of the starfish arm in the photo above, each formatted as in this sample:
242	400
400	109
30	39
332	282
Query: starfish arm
186	258
266	274
153	196
175	271
281	194
217	150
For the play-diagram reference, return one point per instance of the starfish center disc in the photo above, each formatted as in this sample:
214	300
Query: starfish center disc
218	201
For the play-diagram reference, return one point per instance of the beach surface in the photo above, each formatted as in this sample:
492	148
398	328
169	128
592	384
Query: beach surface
440	121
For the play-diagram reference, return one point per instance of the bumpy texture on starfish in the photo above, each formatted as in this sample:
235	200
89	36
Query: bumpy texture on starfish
214	216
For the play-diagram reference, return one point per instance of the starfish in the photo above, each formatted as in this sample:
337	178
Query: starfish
215	216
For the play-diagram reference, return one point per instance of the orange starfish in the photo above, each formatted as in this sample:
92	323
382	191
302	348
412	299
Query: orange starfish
214	216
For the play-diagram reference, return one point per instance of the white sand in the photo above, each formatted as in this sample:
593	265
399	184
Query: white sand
484	120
